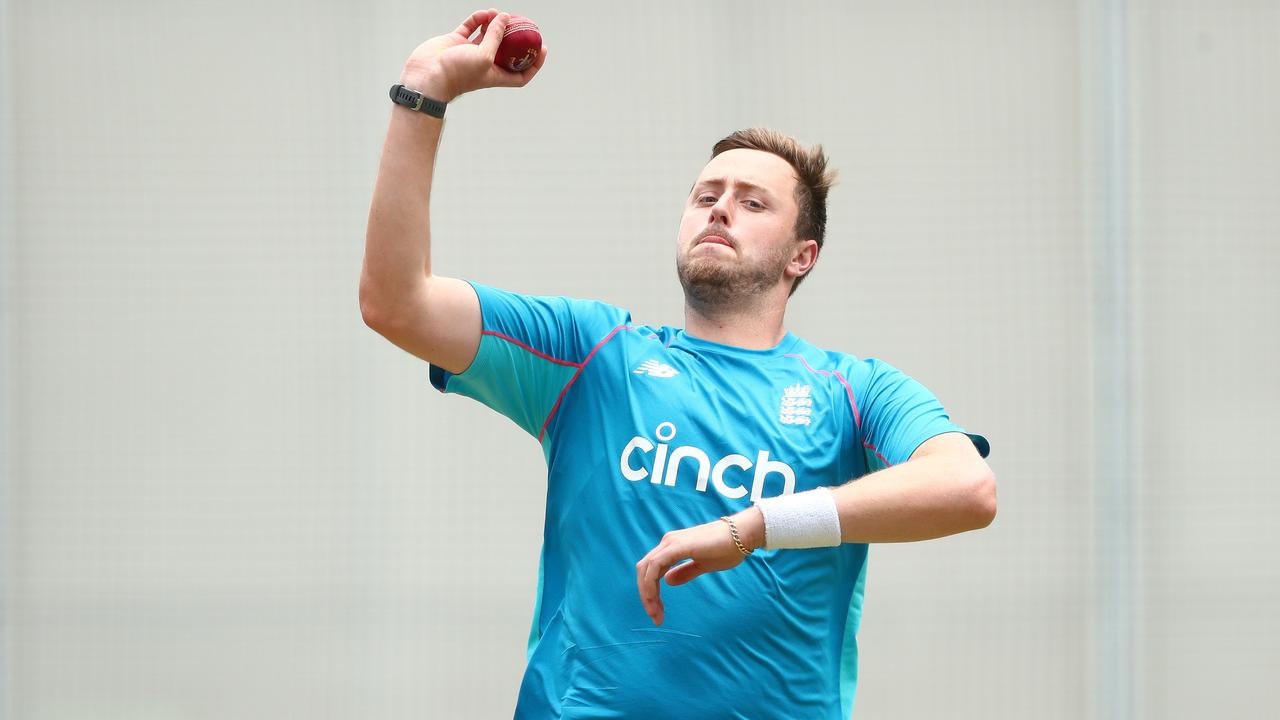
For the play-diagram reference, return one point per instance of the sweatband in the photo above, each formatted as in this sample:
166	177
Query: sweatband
801	520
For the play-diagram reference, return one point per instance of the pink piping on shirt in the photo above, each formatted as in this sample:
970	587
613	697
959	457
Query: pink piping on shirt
857	417
883	459
542	355
573	379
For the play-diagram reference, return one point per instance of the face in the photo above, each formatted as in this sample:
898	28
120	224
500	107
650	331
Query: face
737	235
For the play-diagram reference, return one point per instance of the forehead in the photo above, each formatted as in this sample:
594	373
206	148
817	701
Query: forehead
751	166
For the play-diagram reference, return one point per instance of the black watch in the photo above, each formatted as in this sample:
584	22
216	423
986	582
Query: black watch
415	100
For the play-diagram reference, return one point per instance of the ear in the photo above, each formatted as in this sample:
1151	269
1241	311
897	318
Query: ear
802	261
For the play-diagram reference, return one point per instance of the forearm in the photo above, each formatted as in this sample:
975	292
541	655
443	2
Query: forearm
398	239
921	499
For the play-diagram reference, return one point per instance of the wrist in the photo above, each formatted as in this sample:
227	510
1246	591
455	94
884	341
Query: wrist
801	520
427	79
750	525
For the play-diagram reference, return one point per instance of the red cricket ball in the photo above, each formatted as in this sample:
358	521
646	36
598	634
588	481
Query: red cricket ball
520	45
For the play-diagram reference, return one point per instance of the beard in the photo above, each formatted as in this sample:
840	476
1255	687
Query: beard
716	283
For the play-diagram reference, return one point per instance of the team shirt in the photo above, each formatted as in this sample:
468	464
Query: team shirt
650	429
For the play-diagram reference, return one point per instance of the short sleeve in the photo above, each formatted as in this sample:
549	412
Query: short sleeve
531	346
899	414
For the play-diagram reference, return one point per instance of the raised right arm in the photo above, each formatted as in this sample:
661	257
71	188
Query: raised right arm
433	317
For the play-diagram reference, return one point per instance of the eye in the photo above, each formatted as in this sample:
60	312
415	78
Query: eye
754	205
705	196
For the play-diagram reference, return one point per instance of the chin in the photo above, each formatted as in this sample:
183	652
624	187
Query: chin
708	274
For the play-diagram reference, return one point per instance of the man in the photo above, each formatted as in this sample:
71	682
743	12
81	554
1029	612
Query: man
731	440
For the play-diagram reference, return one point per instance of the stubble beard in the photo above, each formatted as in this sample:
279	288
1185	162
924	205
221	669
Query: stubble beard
715	284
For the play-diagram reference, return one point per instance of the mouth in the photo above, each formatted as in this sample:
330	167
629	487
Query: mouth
715	240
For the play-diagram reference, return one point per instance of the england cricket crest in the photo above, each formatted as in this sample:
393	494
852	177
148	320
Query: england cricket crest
797	405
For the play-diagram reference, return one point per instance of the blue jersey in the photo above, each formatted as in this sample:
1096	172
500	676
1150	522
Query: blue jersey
649	429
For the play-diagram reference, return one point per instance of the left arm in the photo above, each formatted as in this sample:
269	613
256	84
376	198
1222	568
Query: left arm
943	489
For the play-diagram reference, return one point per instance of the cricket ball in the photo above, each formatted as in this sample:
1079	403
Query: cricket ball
521	43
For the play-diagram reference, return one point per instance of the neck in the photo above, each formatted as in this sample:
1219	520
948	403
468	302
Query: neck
754	326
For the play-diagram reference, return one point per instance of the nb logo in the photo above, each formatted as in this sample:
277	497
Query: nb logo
655	369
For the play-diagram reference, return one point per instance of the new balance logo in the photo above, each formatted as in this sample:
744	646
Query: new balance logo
656	369
797	405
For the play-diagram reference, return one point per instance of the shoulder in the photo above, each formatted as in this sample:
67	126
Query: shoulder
578	304
863	377
578	311
836	363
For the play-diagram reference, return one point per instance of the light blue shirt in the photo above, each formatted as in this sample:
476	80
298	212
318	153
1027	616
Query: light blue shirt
649	429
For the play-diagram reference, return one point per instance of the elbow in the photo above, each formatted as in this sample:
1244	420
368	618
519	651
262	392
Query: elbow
371	314
372	309
983	497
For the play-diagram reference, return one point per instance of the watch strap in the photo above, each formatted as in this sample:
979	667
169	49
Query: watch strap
415	100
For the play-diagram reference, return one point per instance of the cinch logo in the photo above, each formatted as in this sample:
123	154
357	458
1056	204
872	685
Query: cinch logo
666	466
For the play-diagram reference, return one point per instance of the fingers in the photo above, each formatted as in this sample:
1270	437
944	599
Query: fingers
493	35
477	19
647	585
490	14
682	574
649	572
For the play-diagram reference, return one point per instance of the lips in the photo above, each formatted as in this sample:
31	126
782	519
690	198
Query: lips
715	239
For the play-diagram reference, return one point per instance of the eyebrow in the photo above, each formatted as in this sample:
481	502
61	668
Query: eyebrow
744	183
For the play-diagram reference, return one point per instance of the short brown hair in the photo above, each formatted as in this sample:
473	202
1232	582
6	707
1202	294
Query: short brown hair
813	178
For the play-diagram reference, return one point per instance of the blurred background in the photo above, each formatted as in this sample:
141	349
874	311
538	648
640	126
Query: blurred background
223	496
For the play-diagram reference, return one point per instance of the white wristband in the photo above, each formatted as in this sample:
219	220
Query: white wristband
802	520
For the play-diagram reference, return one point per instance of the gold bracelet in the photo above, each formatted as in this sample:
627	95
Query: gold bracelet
733	530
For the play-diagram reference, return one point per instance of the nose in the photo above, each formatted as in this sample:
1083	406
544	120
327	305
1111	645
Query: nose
720	210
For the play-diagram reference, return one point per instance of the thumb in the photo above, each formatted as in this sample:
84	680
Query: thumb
682	574
493	35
